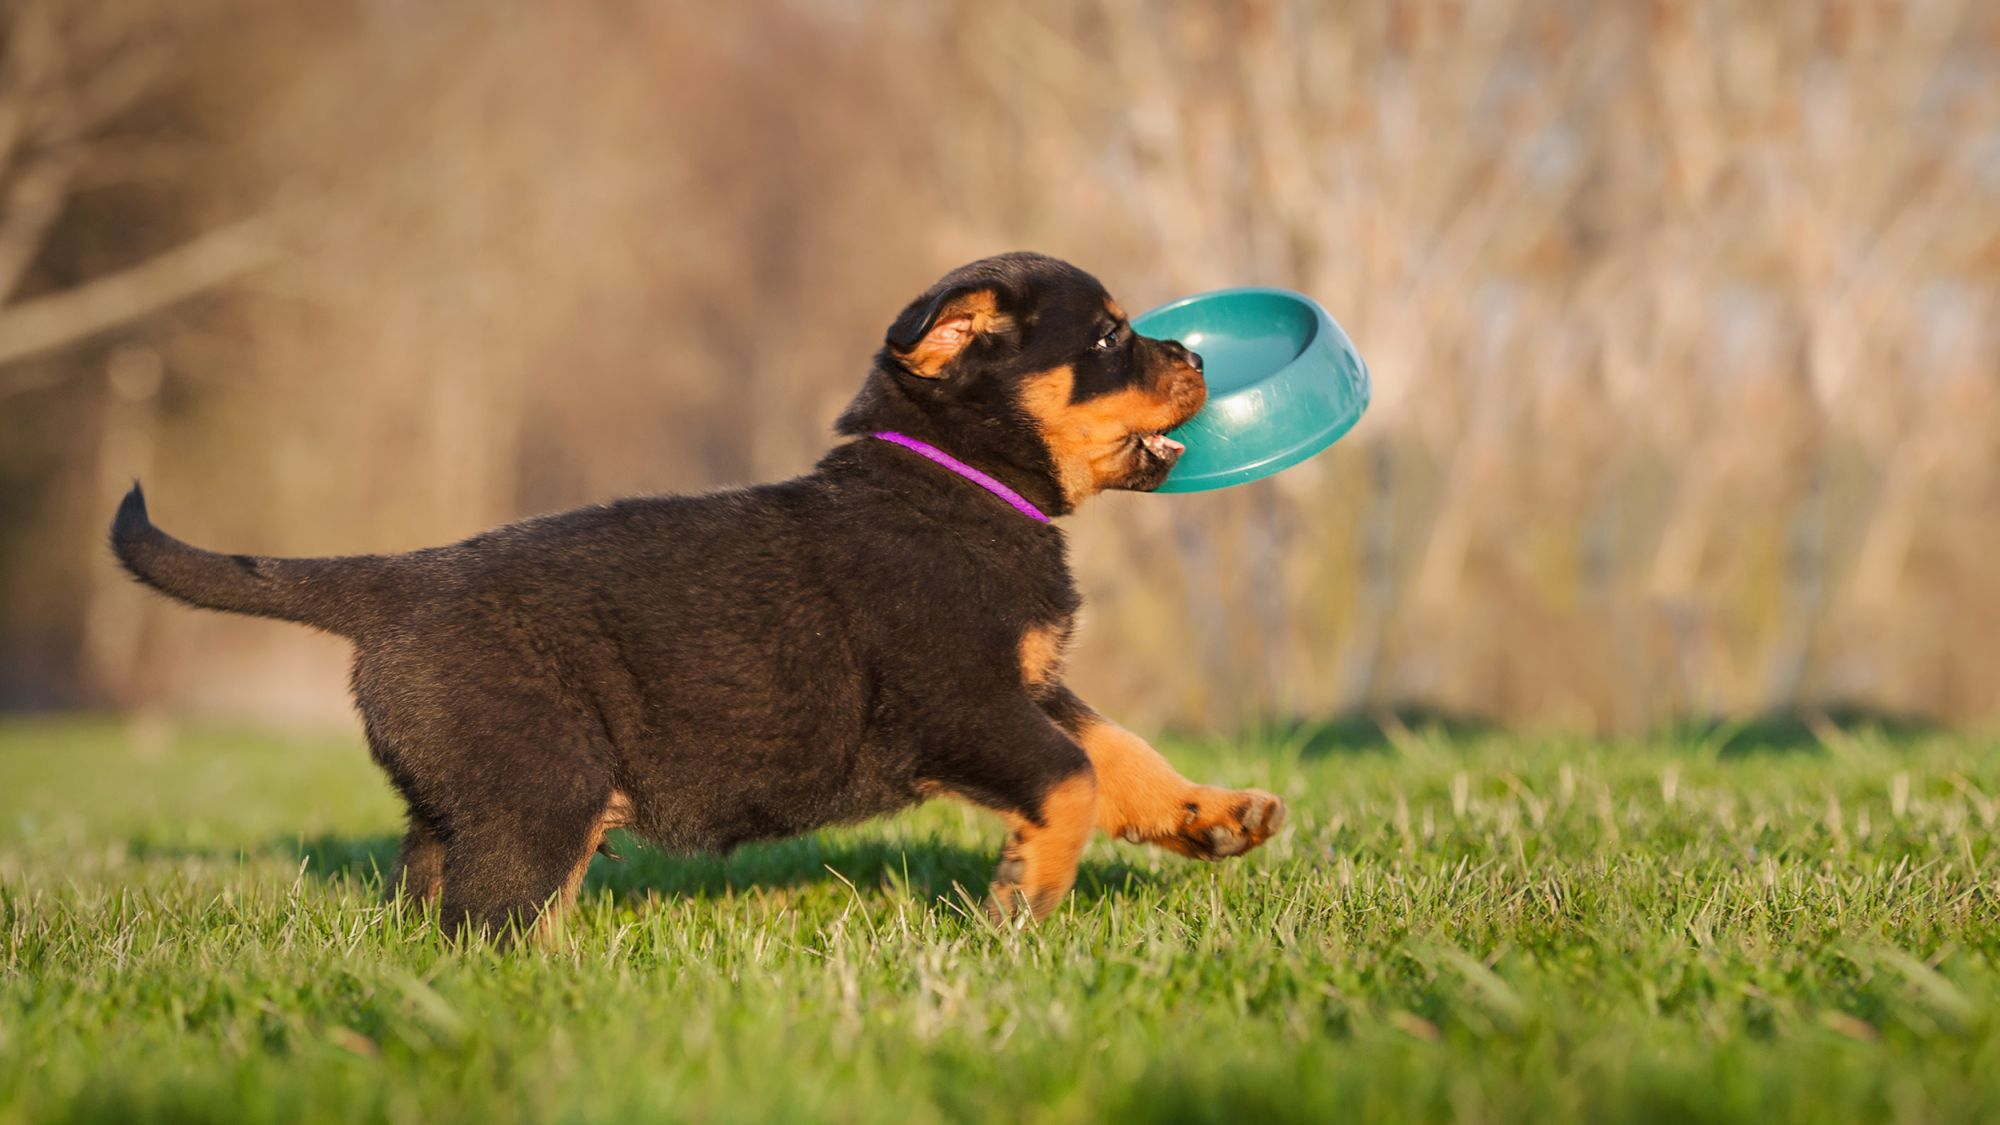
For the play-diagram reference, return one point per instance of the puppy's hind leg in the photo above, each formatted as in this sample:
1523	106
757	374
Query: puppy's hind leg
524	795
513	867
419	871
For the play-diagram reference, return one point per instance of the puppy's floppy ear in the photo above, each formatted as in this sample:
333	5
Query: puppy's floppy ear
930	334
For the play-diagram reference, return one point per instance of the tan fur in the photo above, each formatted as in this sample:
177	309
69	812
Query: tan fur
1090	441
1141	798
1042	648
962	319
1038	866
1131	793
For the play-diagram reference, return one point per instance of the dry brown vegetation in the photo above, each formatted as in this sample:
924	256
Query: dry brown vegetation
1682	317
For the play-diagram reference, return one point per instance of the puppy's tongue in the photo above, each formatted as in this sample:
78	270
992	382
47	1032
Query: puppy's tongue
1160	445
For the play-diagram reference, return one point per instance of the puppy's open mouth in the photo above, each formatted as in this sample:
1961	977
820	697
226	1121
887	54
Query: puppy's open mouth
1162	447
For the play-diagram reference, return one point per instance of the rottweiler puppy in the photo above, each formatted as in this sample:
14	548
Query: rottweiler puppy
756	663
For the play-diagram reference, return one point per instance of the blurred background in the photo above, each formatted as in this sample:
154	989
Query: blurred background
1684	319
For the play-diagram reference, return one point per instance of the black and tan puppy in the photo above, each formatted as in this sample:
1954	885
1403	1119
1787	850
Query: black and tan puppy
708	670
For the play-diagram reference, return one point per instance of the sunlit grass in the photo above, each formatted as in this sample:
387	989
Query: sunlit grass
191	926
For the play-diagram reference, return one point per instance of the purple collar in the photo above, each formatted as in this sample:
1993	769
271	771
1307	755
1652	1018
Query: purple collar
1019	502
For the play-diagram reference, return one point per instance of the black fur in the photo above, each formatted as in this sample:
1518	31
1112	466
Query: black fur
744	664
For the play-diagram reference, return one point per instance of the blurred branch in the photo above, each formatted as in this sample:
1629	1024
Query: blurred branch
186	271
32	204
62	94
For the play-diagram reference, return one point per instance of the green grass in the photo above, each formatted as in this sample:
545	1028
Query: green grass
1468	929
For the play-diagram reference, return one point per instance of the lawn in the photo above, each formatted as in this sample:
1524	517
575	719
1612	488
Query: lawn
1464	928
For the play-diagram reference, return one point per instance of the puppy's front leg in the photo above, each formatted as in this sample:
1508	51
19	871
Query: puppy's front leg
1040	783
1038	863
1143	799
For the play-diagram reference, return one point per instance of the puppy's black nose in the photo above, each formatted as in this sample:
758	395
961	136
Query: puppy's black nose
1188	355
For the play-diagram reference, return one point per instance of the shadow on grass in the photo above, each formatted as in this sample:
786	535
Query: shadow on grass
930	869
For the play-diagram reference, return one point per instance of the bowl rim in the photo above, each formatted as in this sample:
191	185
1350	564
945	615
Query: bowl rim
1327	336
1323	319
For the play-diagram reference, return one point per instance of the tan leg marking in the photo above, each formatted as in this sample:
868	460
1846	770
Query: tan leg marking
1038	865
617	813
1143	799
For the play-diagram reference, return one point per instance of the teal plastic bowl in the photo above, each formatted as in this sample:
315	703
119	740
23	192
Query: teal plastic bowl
1284	382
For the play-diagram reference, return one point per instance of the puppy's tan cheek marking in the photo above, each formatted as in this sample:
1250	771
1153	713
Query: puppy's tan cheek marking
1042	648
1089	441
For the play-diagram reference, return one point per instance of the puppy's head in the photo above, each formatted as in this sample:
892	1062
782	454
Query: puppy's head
1026	361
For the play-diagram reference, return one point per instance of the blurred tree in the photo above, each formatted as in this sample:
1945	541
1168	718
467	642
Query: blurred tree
73	79
1682	316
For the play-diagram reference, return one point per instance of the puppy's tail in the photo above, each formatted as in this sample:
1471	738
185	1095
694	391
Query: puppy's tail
339	595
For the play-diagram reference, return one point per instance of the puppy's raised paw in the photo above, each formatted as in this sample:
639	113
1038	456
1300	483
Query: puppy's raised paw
1227	822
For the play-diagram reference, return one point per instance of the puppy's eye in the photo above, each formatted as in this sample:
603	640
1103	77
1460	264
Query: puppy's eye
1109	340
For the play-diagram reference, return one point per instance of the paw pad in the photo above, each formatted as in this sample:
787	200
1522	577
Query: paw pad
1240	821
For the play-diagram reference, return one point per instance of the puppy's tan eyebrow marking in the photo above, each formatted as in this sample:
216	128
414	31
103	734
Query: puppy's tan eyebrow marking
1116	310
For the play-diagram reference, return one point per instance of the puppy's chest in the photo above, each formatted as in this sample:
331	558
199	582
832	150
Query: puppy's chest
1036	601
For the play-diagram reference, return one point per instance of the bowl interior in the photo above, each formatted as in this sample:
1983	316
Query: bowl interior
1243	338
1284	382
